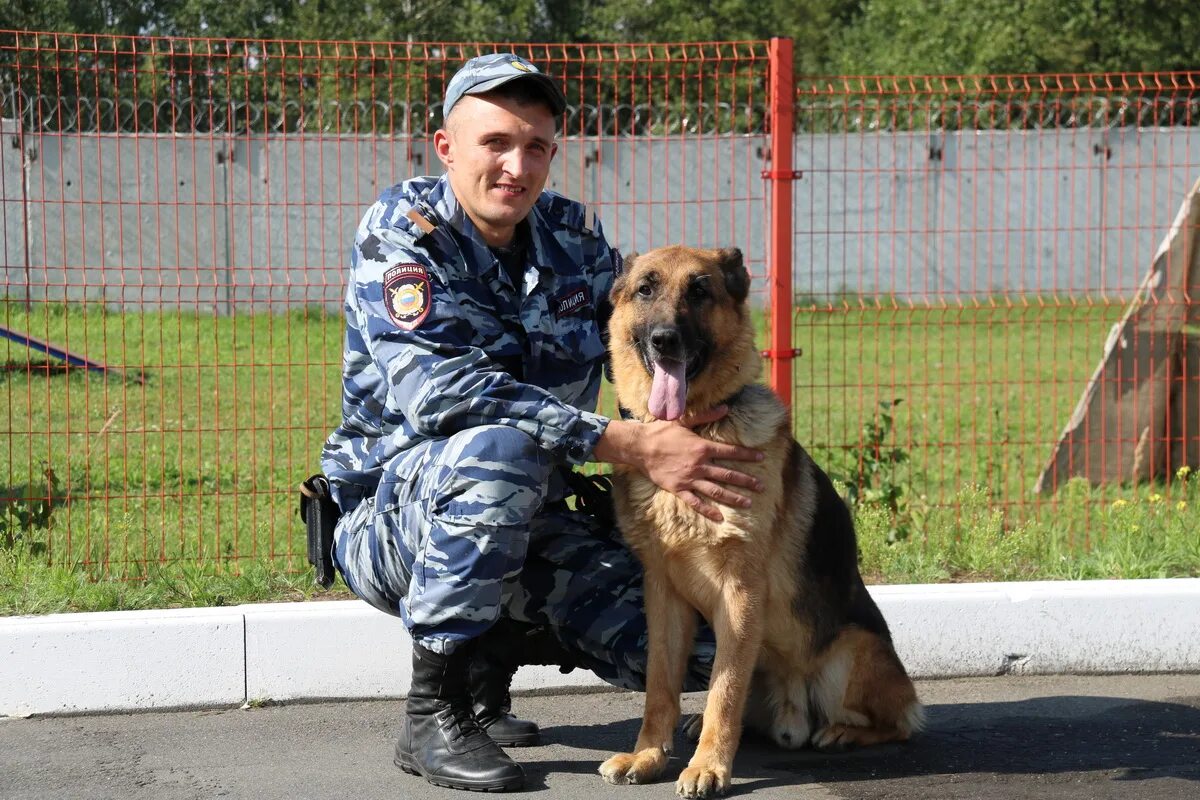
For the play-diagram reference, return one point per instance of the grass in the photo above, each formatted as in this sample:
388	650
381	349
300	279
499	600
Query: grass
1142	533
987	388
179	490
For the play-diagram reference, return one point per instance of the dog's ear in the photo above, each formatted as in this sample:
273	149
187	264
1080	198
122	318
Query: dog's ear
737	279
626	264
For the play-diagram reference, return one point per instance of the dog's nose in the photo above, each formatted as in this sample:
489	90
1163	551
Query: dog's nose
666	342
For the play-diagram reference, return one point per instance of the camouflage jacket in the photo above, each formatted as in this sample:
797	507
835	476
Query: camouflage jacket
438	340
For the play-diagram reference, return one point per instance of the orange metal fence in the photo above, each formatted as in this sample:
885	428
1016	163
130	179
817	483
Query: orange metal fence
176	215
965	245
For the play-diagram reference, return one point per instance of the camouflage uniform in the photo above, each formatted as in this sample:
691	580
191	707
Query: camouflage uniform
465	398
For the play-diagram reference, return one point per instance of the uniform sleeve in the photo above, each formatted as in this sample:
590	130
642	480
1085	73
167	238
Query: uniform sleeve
430	345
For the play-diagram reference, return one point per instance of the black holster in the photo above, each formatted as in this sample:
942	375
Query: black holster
593	495
320	514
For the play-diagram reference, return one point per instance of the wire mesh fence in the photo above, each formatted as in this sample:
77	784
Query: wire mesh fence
176	217
964	245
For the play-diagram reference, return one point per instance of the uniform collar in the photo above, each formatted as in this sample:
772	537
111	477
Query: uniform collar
544	249
439	201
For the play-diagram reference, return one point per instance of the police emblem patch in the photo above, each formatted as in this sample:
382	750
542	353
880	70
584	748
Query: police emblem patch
406	295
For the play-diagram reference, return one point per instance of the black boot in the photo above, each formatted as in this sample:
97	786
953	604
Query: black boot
506	646
490	677
441	740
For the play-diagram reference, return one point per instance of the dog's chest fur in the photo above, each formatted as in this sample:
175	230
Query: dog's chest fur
655	518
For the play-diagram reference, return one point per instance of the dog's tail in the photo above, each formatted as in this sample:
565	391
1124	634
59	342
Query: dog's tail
912	719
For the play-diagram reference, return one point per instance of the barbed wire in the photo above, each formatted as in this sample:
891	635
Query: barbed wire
1076	112
49	114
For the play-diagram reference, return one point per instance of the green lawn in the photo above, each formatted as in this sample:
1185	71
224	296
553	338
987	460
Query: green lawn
179	490
986	390
198	463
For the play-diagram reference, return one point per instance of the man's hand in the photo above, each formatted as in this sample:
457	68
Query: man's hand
677	459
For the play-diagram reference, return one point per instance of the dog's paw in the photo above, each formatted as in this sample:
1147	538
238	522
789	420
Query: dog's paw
835	738
641	767
691	727
708	780
790	729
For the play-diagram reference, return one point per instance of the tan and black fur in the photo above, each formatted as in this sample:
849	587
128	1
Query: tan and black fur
803	653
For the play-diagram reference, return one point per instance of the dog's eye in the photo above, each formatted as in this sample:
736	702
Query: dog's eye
697	291
645	290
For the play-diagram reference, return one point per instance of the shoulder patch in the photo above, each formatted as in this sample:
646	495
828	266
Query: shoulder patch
407	295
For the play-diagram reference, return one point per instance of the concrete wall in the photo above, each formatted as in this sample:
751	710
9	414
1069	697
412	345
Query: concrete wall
212	224
947	215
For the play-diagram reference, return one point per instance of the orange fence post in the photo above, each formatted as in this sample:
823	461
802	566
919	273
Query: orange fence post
780	175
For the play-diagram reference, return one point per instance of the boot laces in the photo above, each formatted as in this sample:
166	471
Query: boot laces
464	723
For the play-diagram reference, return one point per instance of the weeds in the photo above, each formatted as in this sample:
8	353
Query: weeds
874	480
25	512
1146	532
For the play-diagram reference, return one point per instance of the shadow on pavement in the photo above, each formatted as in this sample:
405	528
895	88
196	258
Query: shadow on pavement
1129	740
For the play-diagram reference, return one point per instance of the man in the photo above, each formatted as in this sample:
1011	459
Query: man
472	368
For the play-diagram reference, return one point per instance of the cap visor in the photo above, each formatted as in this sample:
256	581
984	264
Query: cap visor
554	94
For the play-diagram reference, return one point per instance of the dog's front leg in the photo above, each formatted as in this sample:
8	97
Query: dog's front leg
738	625
671	624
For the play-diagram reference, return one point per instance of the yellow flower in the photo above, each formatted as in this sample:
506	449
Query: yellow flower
1155	498
1183	472
1181	505
1119	503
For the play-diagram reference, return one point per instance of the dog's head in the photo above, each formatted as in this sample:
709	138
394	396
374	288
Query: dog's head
680	336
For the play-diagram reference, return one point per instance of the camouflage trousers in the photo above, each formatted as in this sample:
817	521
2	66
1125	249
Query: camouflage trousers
459	533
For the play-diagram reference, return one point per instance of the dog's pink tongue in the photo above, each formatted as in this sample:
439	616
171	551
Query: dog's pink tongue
668	394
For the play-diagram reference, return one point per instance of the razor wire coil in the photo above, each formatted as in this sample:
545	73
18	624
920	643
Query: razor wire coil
47	113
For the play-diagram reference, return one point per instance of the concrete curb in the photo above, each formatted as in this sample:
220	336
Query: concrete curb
221	657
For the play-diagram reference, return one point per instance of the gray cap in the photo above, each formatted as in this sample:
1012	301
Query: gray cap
485	73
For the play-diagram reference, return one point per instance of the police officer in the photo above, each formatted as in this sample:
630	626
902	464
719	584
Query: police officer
472	364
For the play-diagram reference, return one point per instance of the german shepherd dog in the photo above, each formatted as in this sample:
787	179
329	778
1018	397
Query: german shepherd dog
803	653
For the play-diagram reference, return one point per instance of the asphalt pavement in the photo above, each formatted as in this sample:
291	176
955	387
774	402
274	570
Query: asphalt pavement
1059	737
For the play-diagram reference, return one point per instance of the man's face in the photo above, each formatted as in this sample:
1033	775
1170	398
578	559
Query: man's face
497	153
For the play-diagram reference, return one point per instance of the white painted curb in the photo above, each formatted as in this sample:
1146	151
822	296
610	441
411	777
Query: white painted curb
220	657
122	660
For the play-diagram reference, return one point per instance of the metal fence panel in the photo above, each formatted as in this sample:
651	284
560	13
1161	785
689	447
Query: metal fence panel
186	206
965	244
192	205
136	222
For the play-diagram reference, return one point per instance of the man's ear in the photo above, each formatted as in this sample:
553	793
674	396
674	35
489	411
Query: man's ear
737	279
441	146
